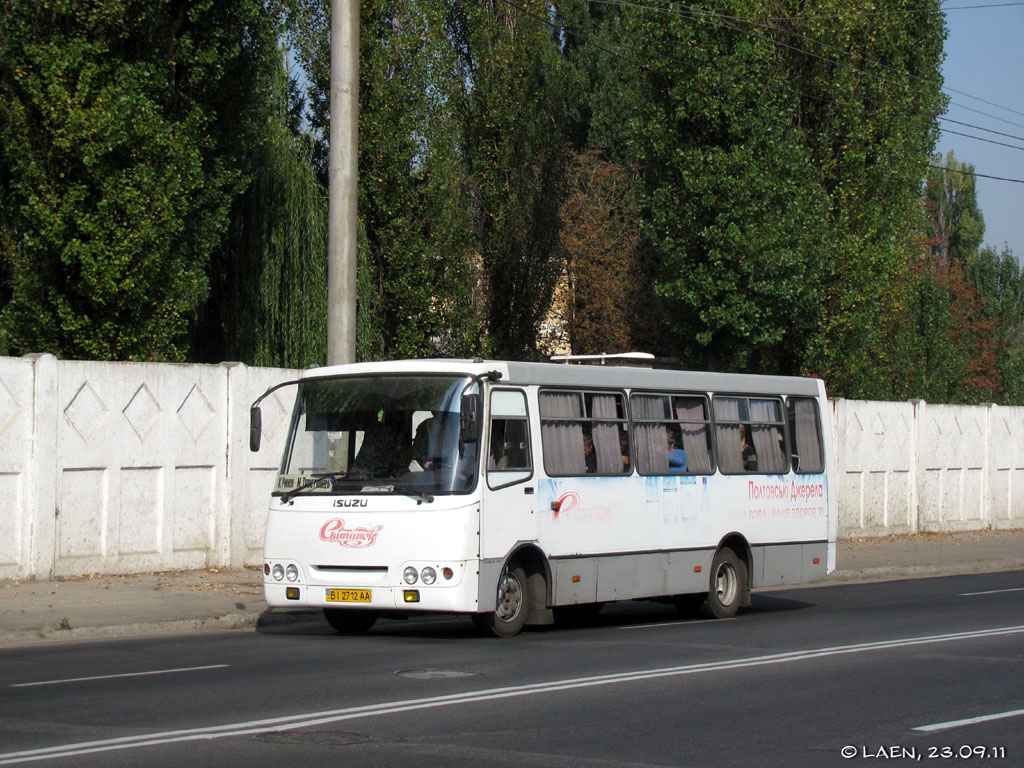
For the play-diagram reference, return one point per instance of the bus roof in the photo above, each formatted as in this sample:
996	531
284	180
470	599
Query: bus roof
596	376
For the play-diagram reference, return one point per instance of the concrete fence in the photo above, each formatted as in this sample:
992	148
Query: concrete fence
915	466
132	467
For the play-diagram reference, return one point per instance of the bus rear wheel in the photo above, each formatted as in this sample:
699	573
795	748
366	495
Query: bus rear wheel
509	614
728	585
350	622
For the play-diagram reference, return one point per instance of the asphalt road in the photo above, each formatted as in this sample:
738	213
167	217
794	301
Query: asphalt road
883	671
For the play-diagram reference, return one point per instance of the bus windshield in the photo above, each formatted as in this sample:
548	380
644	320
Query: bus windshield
379	434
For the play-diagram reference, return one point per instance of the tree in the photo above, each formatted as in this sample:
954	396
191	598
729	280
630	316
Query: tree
781	151
514	145
730	215
955	226
117	124
952	350
1000	284
599	238
416	271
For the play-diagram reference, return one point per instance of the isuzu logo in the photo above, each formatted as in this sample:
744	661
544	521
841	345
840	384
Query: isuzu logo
334	530
351	503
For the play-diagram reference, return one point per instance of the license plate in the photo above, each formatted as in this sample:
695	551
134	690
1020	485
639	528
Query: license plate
349	596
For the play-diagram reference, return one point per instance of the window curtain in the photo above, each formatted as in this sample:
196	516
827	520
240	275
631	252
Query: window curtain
808	442
562	441
767	437
730	452
695	435
651	439
607	445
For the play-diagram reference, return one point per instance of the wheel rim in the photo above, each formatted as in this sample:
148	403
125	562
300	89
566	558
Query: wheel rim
510	598
726	583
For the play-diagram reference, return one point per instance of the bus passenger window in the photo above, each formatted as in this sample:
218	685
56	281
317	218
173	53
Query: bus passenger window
584	433
805	428
750	435
672	434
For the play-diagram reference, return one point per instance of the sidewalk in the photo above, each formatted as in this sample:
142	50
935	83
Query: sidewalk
89	607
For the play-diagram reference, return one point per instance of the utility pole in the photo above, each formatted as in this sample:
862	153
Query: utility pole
342	174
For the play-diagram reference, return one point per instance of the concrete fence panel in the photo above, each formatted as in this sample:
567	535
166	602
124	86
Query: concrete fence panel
875	450
952	477
140	467
1006	462
20	436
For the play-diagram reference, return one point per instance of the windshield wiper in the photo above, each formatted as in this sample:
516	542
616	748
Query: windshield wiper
311	481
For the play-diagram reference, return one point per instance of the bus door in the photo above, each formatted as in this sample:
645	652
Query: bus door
509	510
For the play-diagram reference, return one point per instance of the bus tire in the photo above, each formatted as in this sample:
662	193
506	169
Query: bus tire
728	586
509	614
349	622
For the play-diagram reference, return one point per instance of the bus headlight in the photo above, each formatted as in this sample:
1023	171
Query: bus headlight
429	575
410	575
277	572
292	572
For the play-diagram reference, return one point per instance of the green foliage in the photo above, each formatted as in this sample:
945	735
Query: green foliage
269	277
115	179
416	274
164	186
731	219
515	149
781	149
272	297
1000	284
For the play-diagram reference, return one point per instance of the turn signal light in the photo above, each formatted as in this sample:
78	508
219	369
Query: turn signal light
411	595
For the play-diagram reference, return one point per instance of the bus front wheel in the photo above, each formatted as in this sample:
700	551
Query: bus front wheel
349	622
728	584
509	614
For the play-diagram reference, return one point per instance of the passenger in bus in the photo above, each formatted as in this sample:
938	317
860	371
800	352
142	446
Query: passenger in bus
385	450
588	454
427	434
676	455
436	440
747	449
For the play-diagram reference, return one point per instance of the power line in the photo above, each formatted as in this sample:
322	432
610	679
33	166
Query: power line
979	128
987	141
973	173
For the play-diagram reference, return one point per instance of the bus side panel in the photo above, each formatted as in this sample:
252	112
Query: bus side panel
776	564
624	577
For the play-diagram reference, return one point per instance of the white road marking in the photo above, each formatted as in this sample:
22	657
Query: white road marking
967	721
122	674
991	592
664	624
253	727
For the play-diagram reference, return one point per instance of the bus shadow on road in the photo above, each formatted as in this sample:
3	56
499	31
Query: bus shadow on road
771	603
447	627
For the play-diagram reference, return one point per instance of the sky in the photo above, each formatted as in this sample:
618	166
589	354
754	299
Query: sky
984	79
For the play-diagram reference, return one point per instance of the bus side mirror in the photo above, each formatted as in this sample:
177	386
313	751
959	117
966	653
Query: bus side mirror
255	428
470	418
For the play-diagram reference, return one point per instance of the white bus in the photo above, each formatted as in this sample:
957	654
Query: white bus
511	491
